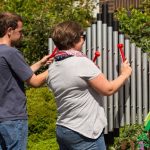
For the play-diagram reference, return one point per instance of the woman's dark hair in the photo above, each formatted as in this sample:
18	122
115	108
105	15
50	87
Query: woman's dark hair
66	34
7	20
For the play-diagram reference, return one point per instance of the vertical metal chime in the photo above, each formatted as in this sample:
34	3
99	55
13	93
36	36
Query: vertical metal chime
104	52
110	73
133	83
115	75
121	91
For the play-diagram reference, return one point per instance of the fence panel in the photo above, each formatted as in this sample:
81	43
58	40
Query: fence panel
127	3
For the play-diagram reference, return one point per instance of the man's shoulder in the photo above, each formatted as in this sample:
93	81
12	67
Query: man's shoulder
6	49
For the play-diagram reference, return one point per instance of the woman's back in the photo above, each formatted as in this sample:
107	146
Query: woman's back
79	106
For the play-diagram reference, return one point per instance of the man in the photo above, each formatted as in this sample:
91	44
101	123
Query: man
13	72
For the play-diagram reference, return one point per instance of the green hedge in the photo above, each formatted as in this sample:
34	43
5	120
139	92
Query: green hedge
42	119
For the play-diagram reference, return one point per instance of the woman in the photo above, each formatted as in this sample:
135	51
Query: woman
79	86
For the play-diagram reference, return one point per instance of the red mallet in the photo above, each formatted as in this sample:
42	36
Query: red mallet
54	52
120	46
97	54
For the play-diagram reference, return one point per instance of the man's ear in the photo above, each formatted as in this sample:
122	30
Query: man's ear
9	31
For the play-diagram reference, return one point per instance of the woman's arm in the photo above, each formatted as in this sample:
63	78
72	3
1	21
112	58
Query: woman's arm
105	87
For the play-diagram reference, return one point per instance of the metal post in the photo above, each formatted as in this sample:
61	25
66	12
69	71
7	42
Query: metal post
50	45
93	34
99	40
88	42
139	86
115	74
133	85
121	91
84	45
104	39
145	84
110	73
127	85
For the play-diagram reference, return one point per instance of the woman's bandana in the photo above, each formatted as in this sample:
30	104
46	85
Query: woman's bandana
61	55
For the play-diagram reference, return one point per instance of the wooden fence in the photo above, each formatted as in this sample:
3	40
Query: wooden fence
127	3
116	4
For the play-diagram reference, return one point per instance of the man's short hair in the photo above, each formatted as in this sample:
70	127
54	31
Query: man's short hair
7	20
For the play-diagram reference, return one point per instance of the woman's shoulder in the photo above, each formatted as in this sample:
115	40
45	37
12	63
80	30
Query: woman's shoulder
83	60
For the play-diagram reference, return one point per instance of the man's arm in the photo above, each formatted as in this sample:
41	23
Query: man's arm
38	80
44	61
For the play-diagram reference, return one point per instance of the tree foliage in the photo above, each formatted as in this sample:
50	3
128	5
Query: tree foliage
136	24
39	18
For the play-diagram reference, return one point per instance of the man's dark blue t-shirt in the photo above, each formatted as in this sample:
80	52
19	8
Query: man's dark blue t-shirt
13	72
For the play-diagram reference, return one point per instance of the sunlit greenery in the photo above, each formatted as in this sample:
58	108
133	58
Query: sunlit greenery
39	18
136	24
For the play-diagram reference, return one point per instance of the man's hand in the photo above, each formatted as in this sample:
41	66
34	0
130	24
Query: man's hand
46	60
